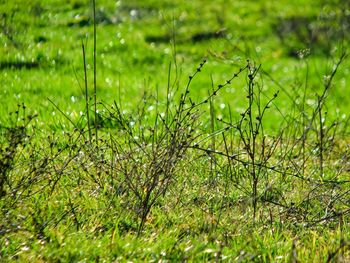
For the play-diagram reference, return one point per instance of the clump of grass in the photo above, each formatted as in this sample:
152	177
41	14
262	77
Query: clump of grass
266	166
148	147
140	155
13	138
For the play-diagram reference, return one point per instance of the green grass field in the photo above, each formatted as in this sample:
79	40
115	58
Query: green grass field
221	131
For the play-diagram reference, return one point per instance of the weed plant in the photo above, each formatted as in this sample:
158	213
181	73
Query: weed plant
283	178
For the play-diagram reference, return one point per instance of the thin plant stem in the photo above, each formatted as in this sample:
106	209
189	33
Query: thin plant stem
86	94
95	88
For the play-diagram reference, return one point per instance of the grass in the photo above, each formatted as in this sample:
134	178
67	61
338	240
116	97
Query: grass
194	153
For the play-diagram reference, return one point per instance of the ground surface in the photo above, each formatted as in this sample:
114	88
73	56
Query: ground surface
253	169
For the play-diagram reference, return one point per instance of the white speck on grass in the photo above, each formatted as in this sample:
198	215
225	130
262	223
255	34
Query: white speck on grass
231	90
134	13
72	98
188	248
222	106
25	248
275	67
209	250
326	78
183	16
108	81
310	102
343	82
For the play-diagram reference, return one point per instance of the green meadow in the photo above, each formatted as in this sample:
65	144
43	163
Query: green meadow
174	131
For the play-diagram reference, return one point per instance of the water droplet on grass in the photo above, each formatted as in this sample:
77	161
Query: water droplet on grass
25	248
134	13
108	81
